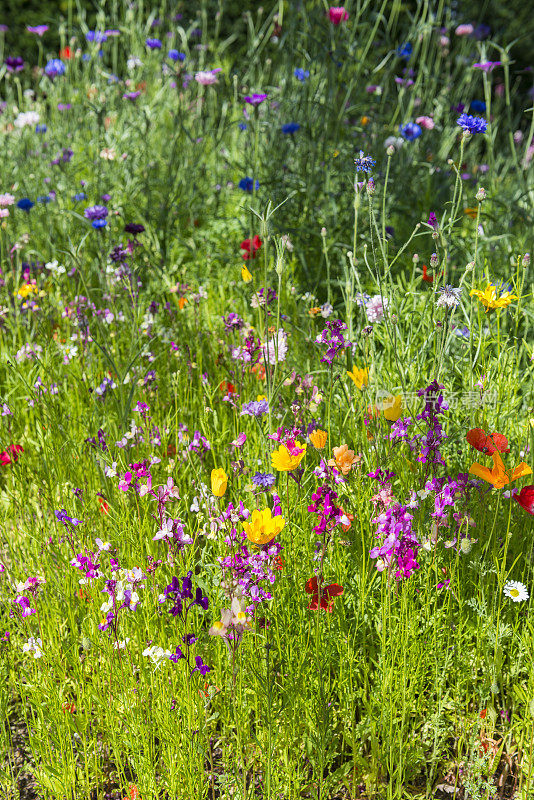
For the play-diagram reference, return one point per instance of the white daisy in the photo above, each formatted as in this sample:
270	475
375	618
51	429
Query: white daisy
516	591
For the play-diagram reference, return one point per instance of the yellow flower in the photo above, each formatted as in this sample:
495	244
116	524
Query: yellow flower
359	376
26	289
246	274
364	120
491	298
344	459
314	311
498	477
318	438
219	482
288	456
392	408
261	397
262	526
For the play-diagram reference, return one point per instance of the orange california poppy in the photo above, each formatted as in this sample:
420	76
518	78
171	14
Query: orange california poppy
498	476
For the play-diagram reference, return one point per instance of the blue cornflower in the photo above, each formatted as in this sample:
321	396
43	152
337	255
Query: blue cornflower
472	124
410	131
25	204
154	44
264	480
256	408
405	51
301	74
96	36
364	163
95	213
175	55
290	127
242	126
40	129
248	184
99	223
79	196
54	68
44	198
477	105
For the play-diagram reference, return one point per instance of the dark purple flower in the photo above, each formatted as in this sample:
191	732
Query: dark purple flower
200	667
14	63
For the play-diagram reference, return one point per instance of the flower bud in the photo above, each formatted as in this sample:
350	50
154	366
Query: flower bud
435	235
481	194
390	150
526	260
415	258
434	260
469	266
323	232
370	187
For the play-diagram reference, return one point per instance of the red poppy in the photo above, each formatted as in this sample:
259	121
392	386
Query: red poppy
133	793
67	53
525	498
327	594
104	507
487	443
248	250
227	387
426	277
10	455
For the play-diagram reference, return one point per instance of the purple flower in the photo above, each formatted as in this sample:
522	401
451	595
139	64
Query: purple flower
63	517
256	408
14	63
233	322
153	44
487	66
95	212
200	667
332	335
264	480
131	96
255	99
38	29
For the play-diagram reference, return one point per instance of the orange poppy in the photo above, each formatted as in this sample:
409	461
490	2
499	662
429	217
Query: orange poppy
227	387
498	477
66	53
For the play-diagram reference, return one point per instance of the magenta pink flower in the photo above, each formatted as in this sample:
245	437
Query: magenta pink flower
464	30
425	122
337	14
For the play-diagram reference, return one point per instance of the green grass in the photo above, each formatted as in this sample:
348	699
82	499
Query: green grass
413	680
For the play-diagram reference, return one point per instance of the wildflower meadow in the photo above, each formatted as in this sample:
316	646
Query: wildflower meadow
266	404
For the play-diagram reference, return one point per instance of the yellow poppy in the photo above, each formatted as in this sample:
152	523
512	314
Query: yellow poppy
219	482
359	376
246	274
392	408
262	526
288	457
498	477
491	299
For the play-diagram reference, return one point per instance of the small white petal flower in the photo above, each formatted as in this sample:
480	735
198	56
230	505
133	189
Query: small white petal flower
516	591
